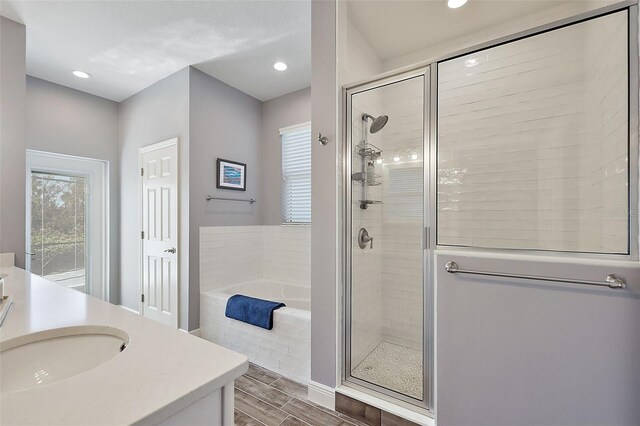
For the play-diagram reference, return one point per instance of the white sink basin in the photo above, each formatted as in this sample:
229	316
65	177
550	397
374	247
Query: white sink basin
49	356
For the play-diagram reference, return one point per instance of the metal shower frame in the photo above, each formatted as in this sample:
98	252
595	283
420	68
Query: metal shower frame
429	70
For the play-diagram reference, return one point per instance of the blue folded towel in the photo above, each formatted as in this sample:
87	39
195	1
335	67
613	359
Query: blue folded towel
253	311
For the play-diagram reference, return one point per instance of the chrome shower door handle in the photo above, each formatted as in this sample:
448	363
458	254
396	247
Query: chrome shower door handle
364	239
172	250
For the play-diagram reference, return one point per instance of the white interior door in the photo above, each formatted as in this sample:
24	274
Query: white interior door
159	170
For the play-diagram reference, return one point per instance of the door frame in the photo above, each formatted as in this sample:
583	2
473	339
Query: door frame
143	150
97	173
425	406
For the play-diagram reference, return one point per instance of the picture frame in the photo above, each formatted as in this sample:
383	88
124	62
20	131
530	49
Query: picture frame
231	175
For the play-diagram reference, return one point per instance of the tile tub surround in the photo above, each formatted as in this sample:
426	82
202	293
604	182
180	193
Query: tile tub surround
286	349
255	260
234	254
161	373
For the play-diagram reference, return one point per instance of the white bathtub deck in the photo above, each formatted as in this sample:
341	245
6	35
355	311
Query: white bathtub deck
286	349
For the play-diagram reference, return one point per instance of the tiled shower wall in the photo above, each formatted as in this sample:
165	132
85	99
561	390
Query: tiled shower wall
604	219
533	142
366	264
402	255
234	254
522	161
387	283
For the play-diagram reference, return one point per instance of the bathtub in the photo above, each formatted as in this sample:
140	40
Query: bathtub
286	349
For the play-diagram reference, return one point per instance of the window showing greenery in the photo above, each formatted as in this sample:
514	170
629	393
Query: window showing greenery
58	228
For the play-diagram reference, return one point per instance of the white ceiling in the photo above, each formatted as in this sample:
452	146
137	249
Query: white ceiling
129	45
396	28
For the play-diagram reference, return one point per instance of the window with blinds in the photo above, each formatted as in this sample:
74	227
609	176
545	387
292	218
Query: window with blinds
404	194
296	174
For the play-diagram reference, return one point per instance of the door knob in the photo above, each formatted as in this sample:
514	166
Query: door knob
172	250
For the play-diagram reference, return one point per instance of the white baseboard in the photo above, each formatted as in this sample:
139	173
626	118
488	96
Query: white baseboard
129	309
322	395
195	332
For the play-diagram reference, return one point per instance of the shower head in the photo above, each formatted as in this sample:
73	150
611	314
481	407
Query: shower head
377	122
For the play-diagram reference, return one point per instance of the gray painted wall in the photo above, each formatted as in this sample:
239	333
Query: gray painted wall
522	353
284	111
223	123
212	120
67	121
158	113
12	138
324	193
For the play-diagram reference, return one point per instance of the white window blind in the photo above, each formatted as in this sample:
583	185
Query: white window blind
296	174
404	193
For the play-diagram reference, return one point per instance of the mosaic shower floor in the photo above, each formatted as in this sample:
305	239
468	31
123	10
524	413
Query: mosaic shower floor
393	367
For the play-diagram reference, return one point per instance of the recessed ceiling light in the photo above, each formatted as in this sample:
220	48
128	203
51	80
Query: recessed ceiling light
280	66
81	74
471	62
454	4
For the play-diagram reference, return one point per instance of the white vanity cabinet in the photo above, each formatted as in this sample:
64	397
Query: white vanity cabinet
159	375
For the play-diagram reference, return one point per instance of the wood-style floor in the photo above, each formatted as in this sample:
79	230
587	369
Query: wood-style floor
263	397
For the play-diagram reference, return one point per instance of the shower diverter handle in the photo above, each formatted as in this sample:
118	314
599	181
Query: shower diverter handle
364	239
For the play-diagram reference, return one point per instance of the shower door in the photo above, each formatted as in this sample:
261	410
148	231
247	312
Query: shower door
387	326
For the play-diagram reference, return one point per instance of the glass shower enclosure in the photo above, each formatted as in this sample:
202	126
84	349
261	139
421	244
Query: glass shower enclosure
525	143
387	311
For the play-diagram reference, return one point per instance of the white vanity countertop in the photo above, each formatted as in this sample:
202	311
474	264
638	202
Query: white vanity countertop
161	372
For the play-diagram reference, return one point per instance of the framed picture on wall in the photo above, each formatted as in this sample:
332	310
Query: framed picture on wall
231	175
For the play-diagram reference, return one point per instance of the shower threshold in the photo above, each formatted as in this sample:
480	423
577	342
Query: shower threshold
394	367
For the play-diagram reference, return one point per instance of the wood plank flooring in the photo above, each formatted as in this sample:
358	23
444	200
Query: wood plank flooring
264	398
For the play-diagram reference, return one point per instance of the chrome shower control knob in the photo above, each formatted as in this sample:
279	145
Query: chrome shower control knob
364	239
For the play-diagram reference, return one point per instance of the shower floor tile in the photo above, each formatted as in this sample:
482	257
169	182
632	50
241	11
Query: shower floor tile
394	367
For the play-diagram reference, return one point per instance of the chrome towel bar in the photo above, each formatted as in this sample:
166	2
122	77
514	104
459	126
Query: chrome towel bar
610	281
250	201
